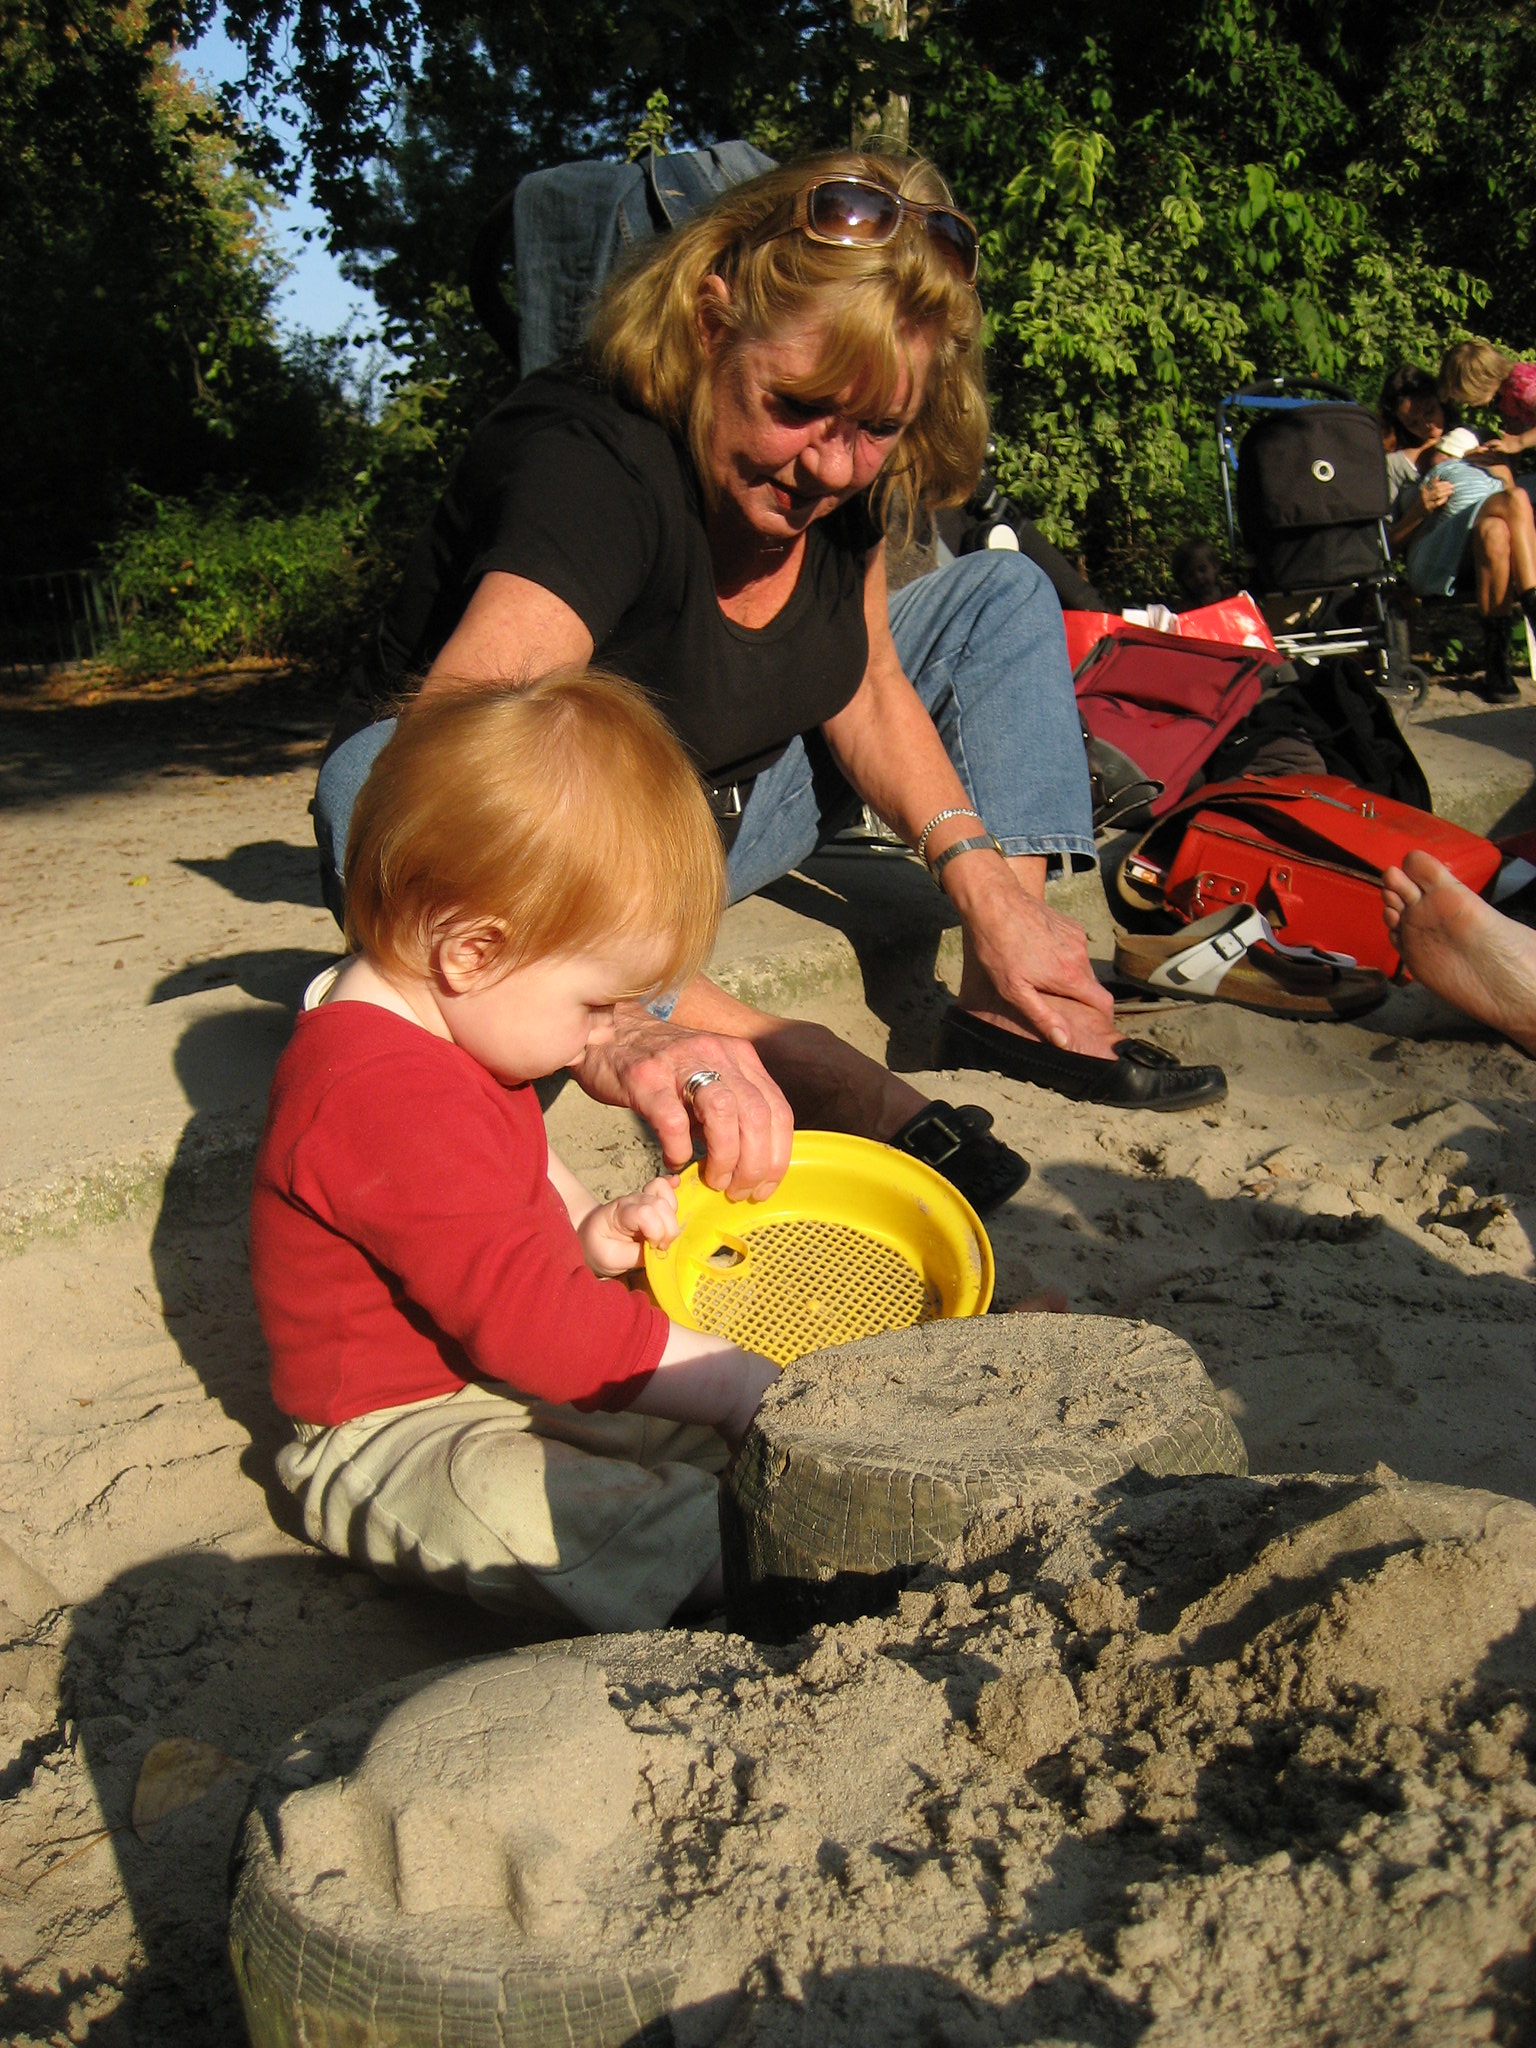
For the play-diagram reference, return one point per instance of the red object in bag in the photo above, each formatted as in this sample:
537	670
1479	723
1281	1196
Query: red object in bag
1166	703
1236	621
1085	630
1306	850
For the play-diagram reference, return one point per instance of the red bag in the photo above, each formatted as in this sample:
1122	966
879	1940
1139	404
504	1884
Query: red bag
1166	704
1308	851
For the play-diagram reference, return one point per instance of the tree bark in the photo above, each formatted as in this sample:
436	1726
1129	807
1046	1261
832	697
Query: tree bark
882	125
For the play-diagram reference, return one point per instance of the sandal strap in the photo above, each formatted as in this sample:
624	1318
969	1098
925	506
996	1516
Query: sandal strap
1199	968
1138	1052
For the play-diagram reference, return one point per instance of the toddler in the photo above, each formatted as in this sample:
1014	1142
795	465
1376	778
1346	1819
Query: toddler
1475	373
478	1399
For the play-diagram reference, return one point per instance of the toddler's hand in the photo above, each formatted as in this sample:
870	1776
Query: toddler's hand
613	1235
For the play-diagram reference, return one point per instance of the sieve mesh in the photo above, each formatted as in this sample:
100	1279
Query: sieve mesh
809	1284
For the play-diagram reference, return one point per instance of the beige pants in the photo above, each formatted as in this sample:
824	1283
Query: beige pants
606	1520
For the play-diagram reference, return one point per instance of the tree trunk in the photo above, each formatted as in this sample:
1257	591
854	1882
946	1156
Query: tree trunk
882	125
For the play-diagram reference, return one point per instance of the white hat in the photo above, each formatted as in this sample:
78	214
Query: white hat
1458	442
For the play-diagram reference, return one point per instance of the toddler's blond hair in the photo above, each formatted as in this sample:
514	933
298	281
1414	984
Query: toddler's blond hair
561	814
1472	373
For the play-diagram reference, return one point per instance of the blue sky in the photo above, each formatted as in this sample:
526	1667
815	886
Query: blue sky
316	295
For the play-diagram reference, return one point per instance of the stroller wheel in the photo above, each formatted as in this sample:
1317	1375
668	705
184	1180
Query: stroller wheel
1400	680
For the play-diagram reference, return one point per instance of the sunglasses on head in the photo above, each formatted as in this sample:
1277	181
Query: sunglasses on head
858	213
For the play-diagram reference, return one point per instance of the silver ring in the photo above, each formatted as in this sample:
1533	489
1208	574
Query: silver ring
697	1081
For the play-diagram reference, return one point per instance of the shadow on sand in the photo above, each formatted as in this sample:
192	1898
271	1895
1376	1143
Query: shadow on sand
237	722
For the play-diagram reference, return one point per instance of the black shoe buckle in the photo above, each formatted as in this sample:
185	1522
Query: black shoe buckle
943	1137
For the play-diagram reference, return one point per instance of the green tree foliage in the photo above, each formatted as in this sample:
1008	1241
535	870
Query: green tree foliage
1140	261
136	336
414	116
222	579
456	374
1172	199
226	576
1453	127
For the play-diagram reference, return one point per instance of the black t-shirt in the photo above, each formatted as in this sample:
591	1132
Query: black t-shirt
565	485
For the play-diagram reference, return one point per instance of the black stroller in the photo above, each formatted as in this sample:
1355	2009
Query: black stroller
1311	504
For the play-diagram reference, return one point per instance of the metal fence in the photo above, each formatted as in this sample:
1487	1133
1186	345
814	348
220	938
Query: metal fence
55	617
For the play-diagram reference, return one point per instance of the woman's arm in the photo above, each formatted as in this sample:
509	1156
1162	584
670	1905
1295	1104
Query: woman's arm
1432	494
1511	444
888	747
512	631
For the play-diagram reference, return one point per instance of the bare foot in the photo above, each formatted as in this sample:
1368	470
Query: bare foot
1091	1031
1462	948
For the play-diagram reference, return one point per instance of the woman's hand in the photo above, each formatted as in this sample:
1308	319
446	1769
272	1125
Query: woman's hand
1434	492
743	1119
1508	444
613	1234
1030	954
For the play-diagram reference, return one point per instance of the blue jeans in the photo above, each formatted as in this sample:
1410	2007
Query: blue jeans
982	642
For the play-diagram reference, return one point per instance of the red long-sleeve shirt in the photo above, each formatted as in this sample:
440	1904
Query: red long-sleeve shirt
405	1236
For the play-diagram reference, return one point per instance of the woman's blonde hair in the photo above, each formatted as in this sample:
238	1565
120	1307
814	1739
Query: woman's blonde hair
1472	372
562	815
647	342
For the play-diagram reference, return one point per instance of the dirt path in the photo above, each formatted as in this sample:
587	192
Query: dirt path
1347	1244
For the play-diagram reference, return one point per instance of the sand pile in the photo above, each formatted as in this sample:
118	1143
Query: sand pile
1220	1760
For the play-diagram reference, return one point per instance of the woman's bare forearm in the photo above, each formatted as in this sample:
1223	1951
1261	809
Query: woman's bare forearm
512	631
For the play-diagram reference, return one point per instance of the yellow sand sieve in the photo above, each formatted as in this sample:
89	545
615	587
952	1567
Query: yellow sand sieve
856	1238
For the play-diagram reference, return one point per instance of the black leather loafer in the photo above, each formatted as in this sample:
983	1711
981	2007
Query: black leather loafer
1141	1076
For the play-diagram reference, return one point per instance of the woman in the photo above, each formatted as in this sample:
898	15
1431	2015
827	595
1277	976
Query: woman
1450	514
699	503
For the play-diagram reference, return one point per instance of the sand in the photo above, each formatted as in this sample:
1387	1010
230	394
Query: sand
1216	1761
1345	1243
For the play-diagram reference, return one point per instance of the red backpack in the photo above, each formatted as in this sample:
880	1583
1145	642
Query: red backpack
1155	707
1307	851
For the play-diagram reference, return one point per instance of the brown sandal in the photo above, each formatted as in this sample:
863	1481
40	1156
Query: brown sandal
1233	956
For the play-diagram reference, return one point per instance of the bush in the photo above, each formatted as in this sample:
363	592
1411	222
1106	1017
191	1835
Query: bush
1142	257
225	579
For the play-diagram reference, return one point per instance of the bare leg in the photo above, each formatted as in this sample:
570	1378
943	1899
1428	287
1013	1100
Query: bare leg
1491	559
830	1085
1504	551
1513	507
1462	948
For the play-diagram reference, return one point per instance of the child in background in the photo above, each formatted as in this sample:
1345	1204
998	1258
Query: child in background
1198	573
478	1399
1477	374
1435	524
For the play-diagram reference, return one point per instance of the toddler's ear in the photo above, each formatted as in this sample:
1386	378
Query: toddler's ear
464	953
